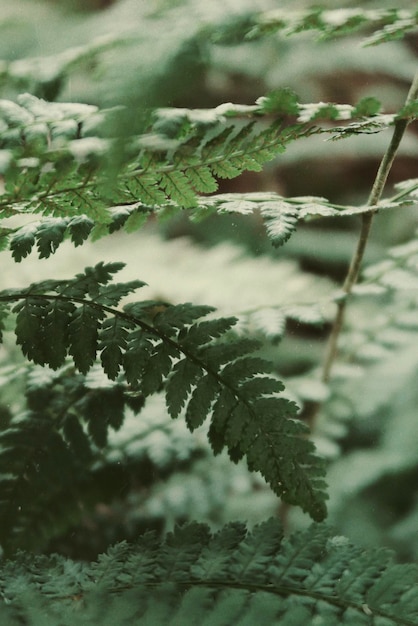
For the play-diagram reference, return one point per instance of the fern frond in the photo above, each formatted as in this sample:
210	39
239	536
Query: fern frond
388	24
281	215
58	164
235	576
192	358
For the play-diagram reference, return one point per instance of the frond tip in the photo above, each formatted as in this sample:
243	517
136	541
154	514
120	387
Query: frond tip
234	576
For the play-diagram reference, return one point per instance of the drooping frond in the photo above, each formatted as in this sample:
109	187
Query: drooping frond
280	214
234	576
205	372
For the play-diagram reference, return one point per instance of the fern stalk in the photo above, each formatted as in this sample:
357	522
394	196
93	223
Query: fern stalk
356	261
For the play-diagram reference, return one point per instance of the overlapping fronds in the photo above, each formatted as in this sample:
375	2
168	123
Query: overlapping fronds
59	160
281	216
204	371
234	576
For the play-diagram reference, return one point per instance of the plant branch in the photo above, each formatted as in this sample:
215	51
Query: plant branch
356	261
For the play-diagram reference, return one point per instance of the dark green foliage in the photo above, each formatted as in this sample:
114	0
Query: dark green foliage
49	234
172	347
234	576
59	434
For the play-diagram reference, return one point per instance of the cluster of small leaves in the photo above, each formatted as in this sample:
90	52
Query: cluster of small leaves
203	371
234	576
387	24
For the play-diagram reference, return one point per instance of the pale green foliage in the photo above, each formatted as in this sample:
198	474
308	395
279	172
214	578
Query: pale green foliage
387	23
56	166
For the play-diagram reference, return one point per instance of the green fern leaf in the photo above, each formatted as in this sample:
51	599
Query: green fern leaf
50	235
80	228
111	295
135	221
260	386
199	405
172	348
83	334
177	316
90	282
179	384
235	576
222	410
245	368
201	179
224	352
225	169
145	187
216	555
157	368
22	242
137	355
112	343
204	332
177	187
282	101
31	314
57	319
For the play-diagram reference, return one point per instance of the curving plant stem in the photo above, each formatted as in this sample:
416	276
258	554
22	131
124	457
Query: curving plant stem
356	261
331	351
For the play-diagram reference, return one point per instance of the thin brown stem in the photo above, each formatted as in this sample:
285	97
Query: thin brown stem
356	261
